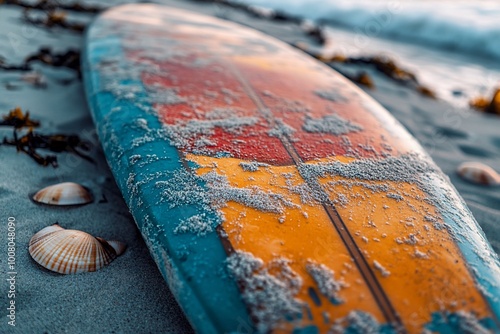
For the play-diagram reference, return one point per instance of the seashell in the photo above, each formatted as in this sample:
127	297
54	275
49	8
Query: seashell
71	251
67	193
118	246
477	172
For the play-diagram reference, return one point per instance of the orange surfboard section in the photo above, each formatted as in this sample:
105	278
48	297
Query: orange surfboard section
300	233
407	266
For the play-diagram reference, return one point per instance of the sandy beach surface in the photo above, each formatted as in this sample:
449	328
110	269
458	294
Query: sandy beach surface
130	295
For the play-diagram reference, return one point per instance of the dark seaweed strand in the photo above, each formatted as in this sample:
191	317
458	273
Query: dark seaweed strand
374	285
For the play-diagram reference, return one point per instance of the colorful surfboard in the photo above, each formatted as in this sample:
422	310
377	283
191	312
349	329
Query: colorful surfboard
274	195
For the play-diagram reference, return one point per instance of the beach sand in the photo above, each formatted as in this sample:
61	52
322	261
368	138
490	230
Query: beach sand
129	295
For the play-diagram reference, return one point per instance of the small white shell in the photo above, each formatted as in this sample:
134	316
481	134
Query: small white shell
71	251
67	193
118	246
477	172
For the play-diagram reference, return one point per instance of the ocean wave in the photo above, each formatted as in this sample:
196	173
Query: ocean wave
471	27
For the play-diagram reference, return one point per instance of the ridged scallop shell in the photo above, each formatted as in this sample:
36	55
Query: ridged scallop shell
477	172
71	251
67	193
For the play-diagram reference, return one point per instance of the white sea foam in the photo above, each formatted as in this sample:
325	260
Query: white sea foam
471	26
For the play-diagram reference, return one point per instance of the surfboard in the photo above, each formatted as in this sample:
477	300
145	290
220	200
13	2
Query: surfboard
273	194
